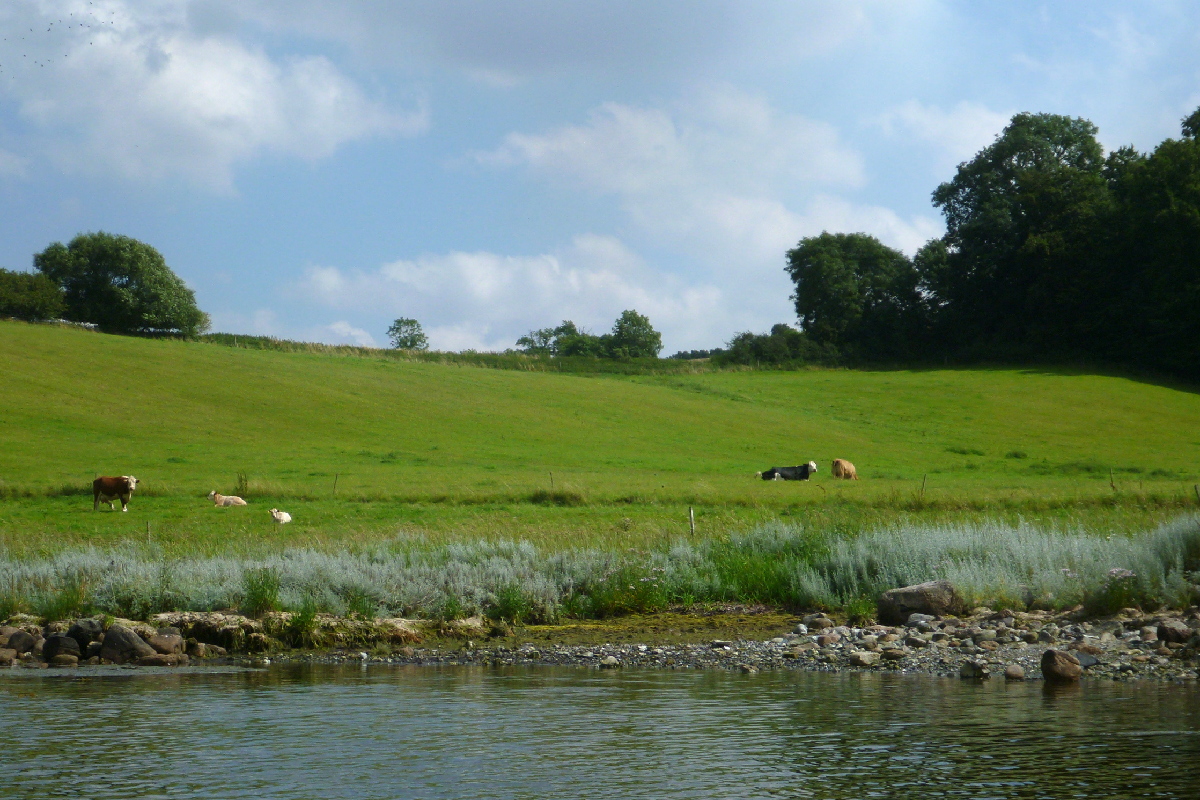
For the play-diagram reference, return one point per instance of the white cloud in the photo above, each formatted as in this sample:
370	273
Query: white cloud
957	134
345	332
485	300
13	165
147	98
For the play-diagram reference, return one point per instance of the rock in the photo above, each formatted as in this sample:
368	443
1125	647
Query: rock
1149	634
895	654
403	652
820	624
7	656
863	658
166	643
21	641
86	631
60	643
748	669
916	618
974	669
1085	647
985	635
160	660
257	642
916	641
122	645
828	639
1086	659
609	662
1173	630
1060	666
801	629
64	659
93	649
1014	672
935	598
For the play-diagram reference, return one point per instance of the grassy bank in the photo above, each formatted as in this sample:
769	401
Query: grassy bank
366	446
788	566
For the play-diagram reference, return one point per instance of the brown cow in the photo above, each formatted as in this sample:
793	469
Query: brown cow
843	469
106	489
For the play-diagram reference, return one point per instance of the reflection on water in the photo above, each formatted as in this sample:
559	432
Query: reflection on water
463	732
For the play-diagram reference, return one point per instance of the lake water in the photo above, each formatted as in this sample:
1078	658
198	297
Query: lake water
465	732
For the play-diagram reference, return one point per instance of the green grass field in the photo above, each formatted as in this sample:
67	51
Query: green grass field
563	460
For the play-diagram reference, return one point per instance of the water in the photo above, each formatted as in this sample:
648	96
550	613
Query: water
465	732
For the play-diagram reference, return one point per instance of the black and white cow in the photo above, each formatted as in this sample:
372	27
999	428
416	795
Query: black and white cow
800	473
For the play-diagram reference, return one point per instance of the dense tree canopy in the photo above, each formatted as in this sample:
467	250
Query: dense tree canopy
120	284
29	296
1052	250
856	294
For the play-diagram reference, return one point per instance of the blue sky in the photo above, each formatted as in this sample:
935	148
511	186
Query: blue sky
316	169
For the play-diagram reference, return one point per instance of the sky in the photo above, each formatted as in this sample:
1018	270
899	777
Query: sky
315	170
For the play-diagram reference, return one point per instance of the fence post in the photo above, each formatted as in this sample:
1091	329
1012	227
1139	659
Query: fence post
692	520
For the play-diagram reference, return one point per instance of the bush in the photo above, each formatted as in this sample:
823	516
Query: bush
30	296
261	591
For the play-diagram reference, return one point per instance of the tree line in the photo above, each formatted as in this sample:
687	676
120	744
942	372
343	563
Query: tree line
1052	251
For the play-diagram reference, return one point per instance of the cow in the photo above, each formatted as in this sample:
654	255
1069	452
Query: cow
800	473
843	469
107	488
225	501
282	517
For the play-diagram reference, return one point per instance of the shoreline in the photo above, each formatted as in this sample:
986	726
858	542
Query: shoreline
1004	644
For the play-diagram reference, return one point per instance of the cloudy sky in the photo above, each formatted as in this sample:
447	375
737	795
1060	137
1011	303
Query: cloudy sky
316	169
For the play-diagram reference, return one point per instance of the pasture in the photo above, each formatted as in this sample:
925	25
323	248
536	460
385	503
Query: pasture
362	448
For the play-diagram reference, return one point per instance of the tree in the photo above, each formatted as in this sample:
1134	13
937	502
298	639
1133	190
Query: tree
565	340
29	296
856	294
1025	222
406	334
632	337
121	285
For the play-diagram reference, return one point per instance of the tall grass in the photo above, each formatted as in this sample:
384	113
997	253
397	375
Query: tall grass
1021	566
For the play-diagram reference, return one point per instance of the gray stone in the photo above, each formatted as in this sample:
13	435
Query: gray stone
863	658
86	631
1085	659
609	662
801	629
935	598
166	643
21	641
1014	672
916	618
122	645
895	654
828	639
974	669
60	643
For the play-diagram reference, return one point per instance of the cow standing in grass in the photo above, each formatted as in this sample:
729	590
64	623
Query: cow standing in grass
106	488
800	473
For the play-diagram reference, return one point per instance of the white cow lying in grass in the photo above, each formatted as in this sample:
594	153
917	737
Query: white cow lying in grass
282	517
225	500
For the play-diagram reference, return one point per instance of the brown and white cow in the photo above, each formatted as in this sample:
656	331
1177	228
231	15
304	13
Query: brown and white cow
105	489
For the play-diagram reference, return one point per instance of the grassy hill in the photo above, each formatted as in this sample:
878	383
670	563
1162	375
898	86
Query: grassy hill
559	458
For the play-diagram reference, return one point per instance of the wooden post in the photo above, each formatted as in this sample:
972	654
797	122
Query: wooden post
692	520
335	477
923	478
552	481
1197	488
1111	482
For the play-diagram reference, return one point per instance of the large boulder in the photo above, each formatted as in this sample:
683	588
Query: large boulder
1174	630
21	641
935	598
122	645
60	644
85	631
1059	666
7	657
167	643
